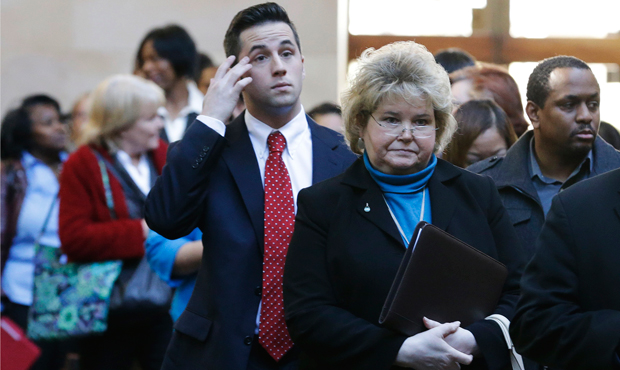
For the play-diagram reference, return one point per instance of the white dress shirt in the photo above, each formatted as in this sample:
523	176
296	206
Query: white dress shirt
140	174
176	128
298	153
297	156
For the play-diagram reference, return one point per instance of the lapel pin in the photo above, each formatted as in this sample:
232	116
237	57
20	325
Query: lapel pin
367	208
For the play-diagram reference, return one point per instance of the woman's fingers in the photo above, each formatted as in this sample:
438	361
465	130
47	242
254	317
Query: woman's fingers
430	323
447	328
460	357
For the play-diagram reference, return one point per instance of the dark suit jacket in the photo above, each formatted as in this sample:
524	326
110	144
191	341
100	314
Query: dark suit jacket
342	261
512	177
214	183
569	312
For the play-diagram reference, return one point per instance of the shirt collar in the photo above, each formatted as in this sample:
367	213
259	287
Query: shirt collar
29	161
125	159
536	172
194	102
293	132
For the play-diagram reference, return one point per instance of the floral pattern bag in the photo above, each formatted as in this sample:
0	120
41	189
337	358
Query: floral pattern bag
70	299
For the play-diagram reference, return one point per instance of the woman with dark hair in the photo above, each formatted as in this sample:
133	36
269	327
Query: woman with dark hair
168	57
488	81
483	131
33	150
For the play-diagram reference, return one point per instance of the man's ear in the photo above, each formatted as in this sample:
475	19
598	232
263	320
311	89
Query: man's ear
303	68
533	112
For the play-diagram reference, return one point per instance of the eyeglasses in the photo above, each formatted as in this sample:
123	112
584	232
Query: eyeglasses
394	127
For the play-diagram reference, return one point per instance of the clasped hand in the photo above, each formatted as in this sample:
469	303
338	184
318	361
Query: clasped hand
443	346
225	88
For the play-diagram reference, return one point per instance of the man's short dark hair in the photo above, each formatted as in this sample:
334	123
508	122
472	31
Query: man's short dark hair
325	108
16	132
538	84
254	16
453	59
174	44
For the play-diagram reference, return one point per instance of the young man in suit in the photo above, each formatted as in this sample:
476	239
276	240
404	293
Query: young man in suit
238	183
562	149
569	313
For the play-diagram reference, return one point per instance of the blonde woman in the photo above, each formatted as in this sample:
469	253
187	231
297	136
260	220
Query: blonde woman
122	132
352	231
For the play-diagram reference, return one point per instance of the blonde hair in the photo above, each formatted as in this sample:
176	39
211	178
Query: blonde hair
116	104
404	69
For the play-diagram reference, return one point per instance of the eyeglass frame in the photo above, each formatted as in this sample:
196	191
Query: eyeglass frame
414	130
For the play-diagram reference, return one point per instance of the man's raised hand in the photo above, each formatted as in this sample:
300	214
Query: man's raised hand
225	88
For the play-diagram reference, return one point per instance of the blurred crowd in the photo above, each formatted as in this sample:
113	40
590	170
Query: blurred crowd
78	178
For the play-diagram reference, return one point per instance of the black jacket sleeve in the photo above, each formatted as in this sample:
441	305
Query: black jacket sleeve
175	203
551	326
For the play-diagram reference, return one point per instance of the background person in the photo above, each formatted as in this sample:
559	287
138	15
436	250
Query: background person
562	149
610	134
78	117
204	73
33	149
168	57
488	81
453	59
123	128
328	115
346	248
176	262
483	131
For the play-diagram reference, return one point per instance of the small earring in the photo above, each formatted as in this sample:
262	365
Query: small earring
360	144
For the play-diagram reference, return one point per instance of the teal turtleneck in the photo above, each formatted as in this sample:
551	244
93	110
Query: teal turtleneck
403	195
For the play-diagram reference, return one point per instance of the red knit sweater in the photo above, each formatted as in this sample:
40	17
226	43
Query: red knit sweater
86	229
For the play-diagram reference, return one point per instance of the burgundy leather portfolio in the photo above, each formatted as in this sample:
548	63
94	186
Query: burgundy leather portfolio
443	279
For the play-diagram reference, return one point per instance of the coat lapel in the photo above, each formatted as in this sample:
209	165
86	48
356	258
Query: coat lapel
241	161
371	204
443	200
517	162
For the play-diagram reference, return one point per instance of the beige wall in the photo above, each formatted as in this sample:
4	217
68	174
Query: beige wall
65	47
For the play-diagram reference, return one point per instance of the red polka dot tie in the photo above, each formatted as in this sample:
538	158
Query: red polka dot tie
279	222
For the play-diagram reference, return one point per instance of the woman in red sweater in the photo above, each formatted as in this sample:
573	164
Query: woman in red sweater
123	132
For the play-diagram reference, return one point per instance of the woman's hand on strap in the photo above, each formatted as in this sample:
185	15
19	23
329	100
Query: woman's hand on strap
429	350
462	339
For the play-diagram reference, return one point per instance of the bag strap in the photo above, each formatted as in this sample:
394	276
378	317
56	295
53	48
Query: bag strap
106	184
515	359
47	220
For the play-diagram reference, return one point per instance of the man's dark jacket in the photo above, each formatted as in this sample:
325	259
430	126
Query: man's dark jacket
568	315
214	183
513	180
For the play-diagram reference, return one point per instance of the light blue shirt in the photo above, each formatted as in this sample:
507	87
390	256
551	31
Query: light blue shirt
546	187
18	274
161	253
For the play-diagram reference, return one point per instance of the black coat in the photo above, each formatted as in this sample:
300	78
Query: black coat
214	183
569	312
342	261
512	177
